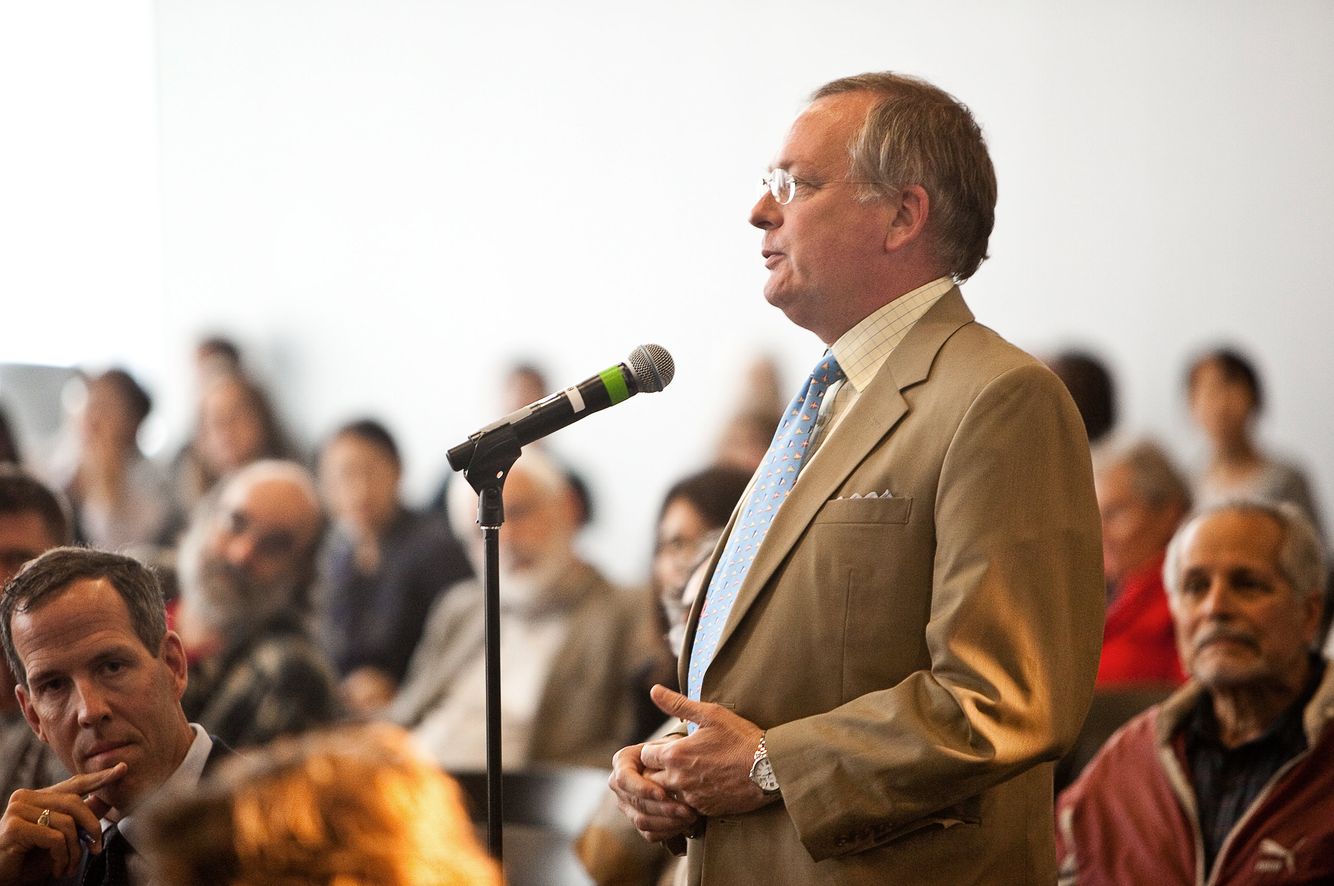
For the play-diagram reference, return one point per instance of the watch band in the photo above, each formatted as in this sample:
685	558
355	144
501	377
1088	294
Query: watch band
762	770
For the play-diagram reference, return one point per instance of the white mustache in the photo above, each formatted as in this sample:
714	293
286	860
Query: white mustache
1226	634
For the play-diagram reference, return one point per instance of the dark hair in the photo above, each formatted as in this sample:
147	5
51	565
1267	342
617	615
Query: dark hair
1091	387
370	431
22	493
53	572
918	134
713	492
136	398
276	443
1235	367
9	443
220	346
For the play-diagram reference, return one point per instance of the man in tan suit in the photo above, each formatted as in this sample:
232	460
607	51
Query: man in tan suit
914	638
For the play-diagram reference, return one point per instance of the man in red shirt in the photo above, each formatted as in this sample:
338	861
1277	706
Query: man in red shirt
1142	499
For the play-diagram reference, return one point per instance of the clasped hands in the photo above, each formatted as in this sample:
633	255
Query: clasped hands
664	786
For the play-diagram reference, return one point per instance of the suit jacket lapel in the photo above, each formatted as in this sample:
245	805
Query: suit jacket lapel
875	413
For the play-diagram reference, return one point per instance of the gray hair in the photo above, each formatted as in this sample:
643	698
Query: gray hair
1301	555
918	134
1152	473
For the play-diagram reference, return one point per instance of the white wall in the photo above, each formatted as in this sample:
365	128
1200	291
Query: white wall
355	189
79	203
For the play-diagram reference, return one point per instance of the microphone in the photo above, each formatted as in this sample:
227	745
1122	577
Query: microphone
649	369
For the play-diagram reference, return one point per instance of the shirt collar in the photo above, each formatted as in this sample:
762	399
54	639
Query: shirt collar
864	348
1202	725
186	776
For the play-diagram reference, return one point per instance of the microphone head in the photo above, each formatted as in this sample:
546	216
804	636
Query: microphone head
652	368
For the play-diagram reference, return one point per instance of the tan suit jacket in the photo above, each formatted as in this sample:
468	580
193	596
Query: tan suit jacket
918	660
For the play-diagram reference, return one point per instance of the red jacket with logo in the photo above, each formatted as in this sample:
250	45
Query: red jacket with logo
1130	817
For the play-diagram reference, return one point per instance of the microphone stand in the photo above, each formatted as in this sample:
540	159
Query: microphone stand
496	452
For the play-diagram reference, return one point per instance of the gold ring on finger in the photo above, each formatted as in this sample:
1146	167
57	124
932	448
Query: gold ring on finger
44	820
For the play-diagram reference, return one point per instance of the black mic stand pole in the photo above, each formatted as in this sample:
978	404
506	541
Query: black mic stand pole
497	451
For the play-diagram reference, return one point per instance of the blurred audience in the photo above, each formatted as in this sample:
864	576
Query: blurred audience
237	425
120	498
569	640
357	806
1226	398
1142	499
32	521
384	565
1231	779
1091	386
215	355
524	383
248	566
750	427
745	439
693	514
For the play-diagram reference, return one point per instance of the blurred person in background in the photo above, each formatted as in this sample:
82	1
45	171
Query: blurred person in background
745	439
32	521
693	514
524	383
747	431
1142	499
570	640
120	498
1231	779
357	805
384	565
237	425
1226	398
1091	386
9	441
215	355
248	569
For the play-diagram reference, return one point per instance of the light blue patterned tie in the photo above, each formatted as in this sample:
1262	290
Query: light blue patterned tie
773	481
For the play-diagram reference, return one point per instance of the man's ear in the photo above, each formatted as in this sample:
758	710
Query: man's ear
911	209
29	713
173	656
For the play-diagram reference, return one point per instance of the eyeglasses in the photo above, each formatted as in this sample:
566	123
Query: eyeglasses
782	185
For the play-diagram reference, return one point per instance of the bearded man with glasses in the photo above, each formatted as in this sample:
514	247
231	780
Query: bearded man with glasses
899	630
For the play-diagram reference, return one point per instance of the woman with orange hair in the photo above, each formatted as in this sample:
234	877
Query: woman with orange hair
355	806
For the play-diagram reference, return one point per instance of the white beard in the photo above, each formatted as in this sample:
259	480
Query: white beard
526	590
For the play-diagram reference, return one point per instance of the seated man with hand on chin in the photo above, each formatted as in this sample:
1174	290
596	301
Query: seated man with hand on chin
100	680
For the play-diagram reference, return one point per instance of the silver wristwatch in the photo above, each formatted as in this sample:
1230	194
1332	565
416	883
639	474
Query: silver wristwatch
762	771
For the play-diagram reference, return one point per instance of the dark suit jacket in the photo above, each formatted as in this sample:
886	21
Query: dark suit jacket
217	754
918	659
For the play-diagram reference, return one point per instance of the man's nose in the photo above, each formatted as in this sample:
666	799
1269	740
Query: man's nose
93	707
766	214
1216	601
240	549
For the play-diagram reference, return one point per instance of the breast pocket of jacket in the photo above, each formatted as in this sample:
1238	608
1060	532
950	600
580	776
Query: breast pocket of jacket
882	559
881	509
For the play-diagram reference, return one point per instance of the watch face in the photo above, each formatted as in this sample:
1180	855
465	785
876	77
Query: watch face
762	773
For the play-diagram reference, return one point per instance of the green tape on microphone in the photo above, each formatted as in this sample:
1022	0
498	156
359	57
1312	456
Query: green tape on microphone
613	380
